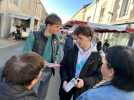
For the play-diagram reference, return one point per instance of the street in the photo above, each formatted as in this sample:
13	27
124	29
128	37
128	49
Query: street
7	52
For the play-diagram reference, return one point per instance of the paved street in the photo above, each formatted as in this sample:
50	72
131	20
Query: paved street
6	51
15	48
53	89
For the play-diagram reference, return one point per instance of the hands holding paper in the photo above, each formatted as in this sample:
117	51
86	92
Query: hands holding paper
75	82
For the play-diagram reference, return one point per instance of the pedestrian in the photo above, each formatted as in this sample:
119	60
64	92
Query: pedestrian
24	33
21	73
118	76
81	63
106	45
12	32
99	46
18	33
46	43
68	43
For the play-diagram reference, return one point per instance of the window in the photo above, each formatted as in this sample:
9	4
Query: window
124	8
89	18
16	2
101	14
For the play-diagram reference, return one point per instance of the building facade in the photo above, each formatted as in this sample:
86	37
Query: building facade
114	12
86	13
122	13
27	14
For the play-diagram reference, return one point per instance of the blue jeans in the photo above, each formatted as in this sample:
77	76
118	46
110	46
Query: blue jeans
42	87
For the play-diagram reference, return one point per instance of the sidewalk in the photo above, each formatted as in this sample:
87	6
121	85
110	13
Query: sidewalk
6	43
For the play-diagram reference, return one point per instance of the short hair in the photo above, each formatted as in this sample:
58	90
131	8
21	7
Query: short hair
121	59
53	19
23	69
83	30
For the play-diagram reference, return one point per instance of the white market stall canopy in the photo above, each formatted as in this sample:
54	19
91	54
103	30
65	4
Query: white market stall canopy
71	25
20	16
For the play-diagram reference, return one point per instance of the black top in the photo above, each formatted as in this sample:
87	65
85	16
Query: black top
9	91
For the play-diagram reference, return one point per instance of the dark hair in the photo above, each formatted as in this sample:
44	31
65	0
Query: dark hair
83	30
121	59
99	45
53	19
23	69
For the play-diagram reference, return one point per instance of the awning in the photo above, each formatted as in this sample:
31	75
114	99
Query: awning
130	30
108	28
71	25
19	16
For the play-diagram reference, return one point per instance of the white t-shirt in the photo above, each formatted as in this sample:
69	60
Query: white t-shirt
82	58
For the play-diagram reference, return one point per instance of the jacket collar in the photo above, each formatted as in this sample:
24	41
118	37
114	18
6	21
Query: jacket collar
92	48
102	83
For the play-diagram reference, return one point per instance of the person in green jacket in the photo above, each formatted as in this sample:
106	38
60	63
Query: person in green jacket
46	43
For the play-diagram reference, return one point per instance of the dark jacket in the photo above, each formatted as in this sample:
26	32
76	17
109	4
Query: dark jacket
9	91
68	43
90	72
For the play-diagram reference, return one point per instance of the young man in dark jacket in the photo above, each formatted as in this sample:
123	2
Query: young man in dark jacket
21	73
81	62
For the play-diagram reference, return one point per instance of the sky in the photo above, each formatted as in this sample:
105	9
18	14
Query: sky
64	8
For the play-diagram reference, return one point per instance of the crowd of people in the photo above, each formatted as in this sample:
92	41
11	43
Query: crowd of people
87	71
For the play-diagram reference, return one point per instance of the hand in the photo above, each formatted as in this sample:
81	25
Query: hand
33	83
80	83
52	65
64	84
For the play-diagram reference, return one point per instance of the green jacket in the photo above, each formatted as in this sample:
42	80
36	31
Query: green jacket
47	49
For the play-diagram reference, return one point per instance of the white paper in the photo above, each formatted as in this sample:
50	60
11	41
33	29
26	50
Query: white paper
69	85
